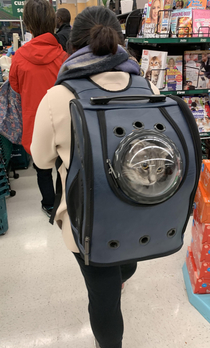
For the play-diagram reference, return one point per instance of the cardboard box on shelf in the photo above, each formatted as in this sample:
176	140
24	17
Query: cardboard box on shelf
199	285
202	204
203	267
205	175
199	229
201	250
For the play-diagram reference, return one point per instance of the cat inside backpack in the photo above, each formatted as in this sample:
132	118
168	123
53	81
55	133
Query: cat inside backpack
153	72
144	164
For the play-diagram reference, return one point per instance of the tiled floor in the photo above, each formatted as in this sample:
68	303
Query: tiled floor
43	301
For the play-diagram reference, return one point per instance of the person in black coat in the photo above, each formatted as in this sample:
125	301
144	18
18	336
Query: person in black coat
63	18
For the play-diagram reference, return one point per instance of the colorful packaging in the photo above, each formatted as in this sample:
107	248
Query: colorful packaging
173	76
202	204
201	23
153	66
197	4
197	69
181	23
205	175
201	251
203	267
199	285
200	231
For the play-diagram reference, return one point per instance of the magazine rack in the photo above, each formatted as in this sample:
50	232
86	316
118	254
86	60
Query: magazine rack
193	41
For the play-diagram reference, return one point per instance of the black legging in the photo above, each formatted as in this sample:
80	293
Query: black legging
45	183
104	292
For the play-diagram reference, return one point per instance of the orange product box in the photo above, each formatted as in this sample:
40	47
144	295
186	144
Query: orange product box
201	250
199	285
203	267
199	229
202	204
205	175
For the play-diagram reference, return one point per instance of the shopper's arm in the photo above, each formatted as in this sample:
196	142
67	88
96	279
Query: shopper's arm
43	147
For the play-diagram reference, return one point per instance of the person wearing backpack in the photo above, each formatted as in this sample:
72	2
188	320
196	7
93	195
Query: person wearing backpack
33	71
99	57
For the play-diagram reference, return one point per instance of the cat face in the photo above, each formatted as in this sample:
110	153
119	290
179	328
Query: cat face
144	164
155	63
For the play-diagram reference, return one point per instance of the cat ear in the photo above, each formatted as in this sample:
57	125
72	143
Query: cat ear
136	145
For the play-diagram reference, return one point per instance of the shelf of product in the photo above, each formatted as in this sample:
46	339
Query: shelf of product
187	92
168	40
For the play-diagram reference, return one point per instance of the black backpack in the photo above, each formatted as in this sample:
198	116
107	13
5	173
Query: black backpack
134	170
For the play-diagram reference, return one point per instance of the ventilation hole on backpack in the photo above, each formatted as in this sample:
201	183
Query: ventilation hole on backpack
159	127
119	131
144	240
114	244
138	125
171	233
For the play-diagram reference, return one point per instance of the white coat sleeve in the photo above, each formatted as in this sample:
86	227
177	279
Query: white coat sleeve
43	147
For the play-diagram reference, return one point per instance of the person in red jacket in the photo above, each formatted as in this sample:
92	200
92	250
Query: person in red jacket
33	71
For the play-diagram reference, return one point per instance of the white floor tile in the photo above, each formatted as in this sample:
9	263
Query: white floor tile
43	297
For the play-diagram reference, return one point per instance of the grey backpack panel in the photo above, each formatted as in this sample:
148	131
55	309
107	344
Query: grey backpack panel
109	226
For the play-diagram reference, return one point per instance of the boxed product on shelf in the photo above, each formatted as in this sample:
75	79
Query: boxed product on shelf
197	4
202	203
205	175
153	66
173	78
200	231
181	23
201	23
197	69
202	250
199	285
203	267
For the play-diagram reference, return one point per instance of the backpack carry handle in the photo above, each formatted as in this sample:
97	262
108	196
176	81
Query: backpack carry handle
105	100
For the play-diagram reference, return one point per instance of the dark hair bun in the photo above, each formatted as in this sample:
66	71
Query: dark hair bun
103	40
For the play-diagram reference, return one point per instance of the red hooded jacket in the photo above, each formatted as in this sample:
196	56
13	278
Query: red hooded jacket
33	71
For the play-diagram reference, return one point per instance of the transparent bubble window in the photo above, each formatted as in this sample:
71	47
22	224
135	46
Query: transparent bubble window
148	166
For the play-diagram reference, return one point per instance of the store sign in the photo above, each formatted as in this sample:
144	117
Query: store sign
17	8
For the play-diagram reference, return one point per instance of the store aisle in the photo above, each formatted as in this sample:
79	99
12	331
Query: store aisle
43	297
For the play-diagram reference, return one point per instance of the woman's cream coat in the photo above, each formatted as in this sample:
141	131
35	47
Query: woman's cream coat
52	136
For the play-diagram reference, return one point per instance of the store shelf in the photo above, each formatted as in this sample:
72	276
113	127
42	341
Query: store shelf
168	40
205	135
187	92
